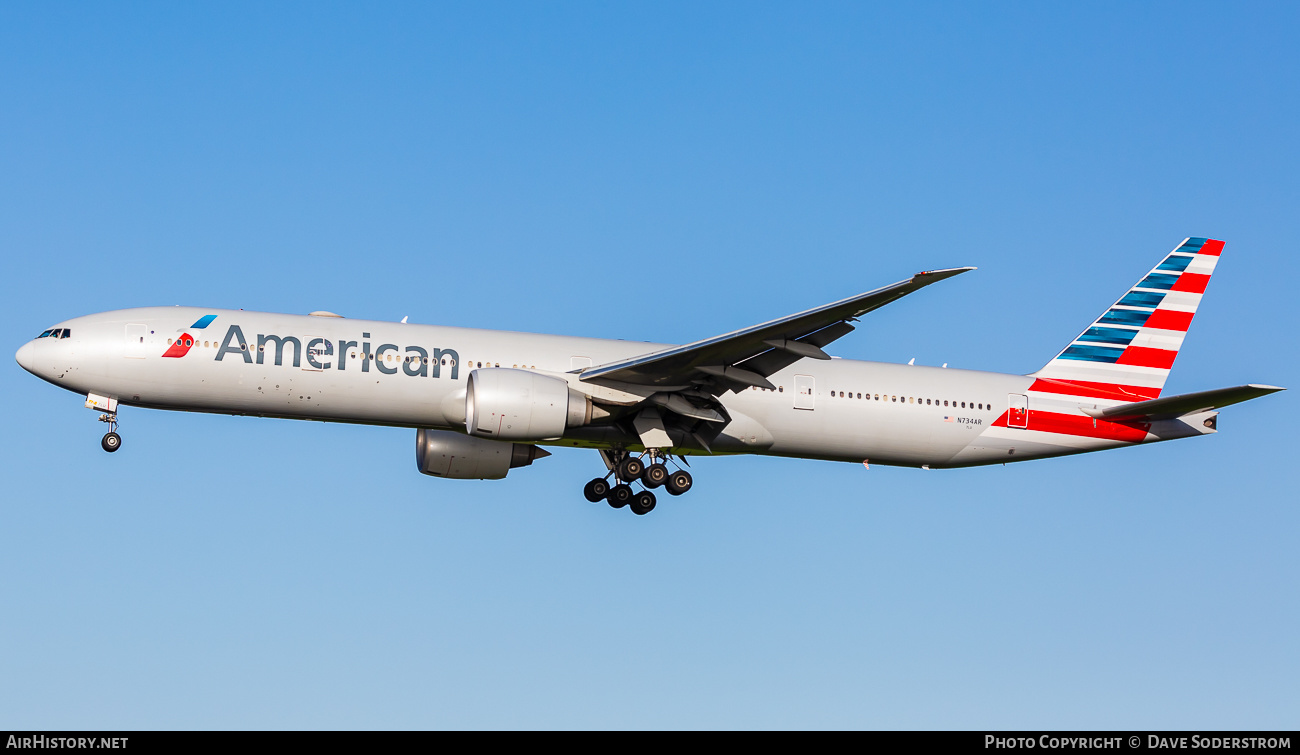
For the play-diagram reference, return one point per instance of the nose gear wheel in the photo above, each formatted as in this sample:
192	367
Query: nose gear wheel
111	440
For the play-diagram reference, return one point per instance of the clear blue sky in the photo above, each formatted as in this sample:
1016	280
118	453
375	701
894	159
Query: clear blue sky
662	172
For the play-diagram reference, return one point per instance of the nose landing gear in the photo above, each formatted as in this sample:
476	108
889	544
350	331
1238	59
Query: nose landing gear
111	441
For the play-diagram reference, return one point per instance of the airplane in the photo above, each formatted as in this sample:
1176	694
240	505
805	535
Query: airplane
484	402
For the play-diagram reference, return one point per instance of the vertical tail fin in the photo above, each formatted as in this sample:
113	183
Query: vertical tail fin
1127	353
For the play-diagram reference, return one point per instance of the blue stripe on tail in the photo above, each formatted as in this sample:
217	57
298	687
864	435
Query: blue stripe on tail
1117	336
1092	354
1133	317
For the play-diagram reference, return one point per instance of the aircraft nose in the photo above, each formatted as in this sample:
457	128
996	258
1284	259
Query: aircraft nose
26	356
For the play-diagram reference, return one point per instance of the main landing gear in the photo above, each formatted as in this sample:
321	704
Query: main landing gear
627	469
112	441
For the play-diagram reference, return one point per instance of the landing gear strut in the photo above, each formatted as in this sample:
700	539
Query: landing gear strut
112	441
626	470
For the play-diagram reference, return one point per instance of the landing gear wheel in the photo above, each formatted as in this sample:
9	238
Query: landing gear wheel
630	469
596	490
679	482
654	476
643	503
111	442
619	496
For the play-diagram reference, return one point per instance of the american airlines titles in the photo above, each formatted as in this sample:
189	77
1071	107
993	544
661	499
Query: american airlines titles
321	354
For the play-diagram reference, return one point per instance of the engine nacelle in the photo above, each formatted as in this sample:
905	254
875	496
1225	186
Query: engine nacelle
522	405
441	453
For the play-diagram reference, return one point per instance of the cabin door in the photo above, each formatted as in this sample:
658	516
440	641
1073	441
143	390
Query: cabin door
1018	411
136	341
805	391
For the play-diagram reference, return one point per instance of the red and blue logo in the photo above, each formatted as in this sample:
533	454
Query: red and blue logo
182	345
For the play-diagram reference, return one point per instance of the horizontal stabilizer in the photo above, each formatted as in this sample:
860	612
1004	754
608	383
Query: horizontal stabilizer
1179	406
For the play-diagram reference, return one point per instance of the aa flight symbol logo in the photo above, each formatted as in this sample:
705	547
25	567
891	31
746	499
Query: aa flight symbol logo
181	346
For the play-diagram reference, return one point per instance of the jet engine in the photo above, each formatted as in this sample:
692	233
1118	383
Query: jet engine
522	405
441	453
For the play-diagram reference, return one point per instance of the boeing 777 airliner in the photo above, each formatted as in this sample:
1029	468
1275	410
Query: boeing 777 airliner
482	402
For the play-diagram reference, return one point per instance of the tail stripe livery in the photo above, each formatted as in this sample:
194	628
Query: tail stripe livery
1126	354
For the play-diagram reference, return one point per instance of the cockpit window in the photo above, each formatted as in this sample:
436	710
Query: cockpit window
67	333
58	333
45	334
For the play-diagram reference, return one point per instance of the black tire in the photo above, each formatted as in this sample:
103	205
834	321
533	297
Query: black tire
111	442
679	482
643	503
630	469
596	490
654	476
619	496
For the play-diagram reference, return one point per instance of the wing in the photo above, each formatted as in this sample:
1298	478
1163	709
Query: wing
746	357
1178	406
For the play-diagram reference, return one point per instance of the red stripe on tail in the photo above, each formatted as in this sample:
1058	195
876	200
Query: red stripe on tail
1086	427
1168	319
1143	356
1192	283
1113	391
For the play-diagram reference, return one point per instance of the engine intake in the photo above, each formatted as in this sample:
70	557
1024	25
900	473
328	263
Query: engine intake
441	453
508	404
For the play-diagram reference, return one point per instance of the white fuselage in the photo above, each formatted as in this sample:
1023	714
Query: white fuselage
406	375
